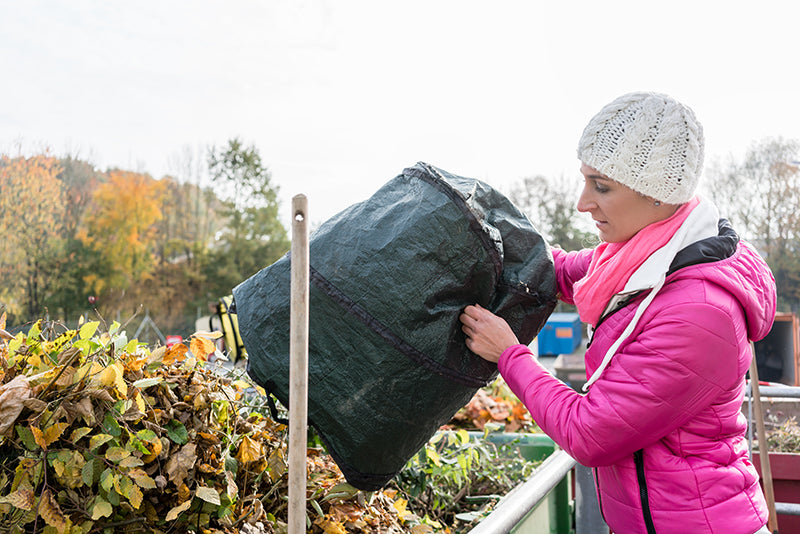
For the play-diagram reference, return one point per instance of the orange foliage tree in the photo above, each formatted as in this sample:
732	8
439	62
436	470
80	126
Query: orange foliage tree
121	228
31	218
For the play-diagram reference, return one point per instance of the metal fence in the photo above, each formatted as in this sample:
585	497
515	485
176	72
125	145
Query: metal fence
779	392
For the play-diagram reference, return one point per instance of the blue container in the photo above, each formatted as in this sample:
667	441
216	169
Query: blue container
561	334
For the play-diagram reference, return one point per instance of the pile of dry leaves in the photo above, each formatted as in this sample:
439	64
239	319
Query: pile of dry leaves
100	434
496	406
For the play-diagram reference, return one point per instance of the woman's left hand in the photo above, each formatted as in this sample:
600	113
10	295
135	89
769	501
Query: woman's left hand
487	334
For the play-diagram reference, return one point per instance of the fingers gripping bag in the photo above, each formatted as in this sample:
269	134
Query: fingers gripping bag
388	364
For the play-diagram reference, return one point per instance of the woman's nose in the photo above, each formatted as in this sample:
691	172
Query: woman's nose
585	202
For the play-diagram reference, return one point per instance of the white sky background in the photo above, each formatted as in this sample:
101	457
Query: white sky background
340	95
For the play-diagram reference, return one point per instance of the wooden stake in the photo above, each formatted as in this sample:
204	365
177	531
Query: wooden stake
763	445
298	367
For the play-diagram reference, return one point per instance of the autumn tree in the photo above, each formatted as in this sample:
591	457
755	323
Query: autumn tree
79	179
550	204
252	236
760	196
121	228
31	221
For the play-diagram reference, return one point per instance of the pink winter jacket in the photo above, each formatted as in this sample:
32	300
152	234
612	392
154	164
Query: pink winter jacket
662	426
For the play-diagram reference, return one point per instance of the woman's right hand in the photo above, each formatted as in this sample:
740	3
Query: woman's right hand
488	335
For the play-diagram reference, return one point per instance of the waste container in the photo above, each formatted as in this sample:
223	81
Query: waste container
561	334
777	354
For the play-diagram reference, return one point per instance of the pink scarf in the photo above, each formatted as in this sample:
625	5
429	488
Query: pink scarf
613	264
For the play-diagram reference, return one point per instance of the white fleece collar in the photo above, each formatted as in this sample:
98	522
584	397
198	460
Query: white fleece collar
701	223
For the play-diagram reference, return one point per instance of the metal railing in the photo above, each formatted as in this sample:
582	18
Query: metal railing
780	392
521	500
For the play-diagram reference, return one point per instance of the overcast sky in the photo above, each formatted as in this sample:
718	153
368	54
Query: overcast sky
340	95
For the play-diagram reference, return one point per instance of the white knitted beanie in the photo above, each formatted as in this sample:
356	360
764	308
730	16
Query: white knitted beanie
649	142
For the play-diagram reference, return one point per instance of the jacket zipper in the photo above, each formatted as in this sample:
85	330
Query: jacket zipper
638	458
599	499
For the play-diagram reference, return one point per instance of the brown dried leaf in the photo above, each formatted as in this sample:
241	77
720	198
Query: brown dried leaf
232	488
23	499
67	355
179	464
101	394
12	397
210	438
157	354
51	512
85	409
35	405
66	376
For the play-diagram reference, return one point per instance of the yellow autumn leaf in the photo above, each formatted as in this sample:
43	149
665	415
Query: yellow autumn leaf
88	329
249	451
136	364
210	495
400	505
99	439
101	509
135	497
130	462
112	376
117	454
140	402
141	478
68	467
241	384
331	526
155	447
79	432
38	437
53	432
175	353
201	347
90	370
125	487
24	475
58	343
277	464
175	512
107	376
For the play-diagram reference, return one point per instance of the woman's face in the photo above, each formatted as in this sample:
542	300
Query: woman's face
618	211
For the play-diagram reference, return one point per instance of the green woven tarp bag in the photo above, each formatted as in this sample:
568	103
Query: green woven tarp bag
388	364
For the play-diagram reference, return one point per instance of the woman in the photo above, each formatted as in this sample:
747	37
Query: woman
672	298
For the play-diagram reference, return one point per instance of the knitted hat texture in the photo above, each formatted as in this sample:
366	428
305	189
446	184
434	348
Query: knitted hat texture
649	142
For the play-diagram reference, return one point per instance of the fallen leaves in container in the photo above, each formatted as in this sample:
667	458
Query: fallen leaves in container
503	411
101	434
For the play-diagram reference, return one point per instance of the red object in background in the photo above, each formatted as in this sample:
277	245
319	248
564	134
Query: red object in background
785	469
173	340
92	299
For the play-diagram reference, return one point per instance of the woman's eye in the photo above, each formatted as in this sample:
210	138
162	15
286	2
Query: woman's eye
600	188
